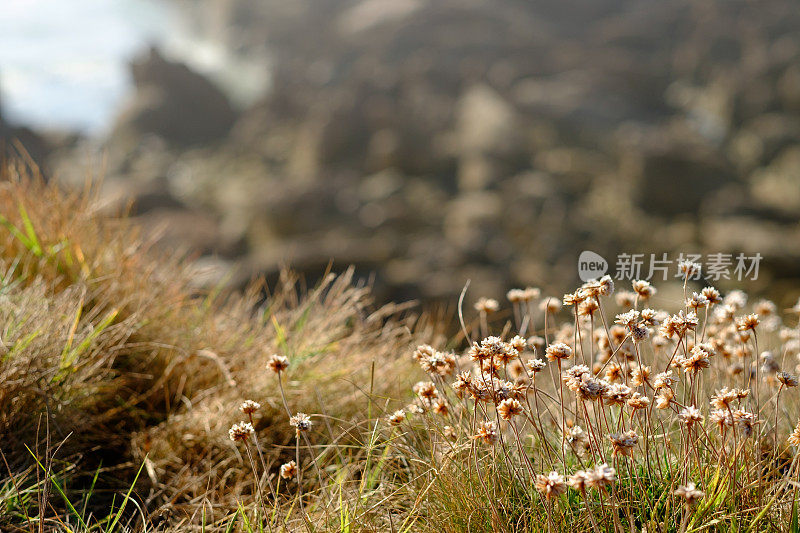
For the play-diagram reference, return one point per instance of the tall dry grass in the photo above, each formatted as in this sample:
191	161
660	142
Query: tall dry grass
112	359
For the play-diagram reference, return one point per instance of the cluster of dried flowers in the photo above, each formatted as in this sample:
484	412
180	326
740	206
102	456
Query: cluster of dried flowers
686	393
245	432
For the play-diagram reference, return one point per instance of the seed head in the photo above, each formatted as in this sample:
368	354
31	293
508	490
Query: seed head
509	408
249	407
689	269
550	486
640	375
625	298
550	305
689	493
690	415
579	480
289	470
278	363
663	380
487	432
643	289
606	285
241	431
664	398
711	295
602	476
441	407
487	305
613	372
794	438
425	390
623	443
787	379
535	365
747	322
617	394
301	422
638	401
397	417
557	351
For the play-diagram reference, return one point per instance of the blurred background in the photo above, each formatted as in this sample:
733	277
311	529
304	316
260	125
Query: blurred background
426	142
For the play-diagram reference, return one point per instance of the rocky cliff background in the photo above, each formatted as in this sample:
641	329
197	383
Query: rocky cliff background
428	142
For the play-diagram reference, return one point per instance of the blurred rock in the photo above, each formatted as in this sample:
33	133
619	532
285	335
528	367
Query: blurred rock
173	102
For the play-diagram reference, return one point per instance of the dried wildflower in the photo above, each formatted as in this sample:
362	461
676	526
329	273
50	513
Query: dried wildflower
515	295
711	295
663	380
278	363
623	443
689	269
639	333
557	351
613	372
573	375
628	319
441	407
487	305
577	438
425	390
640	375
617	394
606	285
697	360
625	298
535	365
745	421
487	432
765	308
747	322
415	408
664	398
794	438
649	317
638	401
643	288
550	305
423	351
397	418
722	418
588	307
787	379
659	341
723	398
509	408
602	476
518	343
591	388
523	295
678	324
579	480
736	299
690	415
462	382
241	431
289	470
696	301
249	407
689	493
491	348
301	422
550	486
440	363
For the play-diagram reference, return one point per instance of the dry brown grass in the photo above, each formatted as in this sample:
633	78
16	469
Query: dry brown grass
110	351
